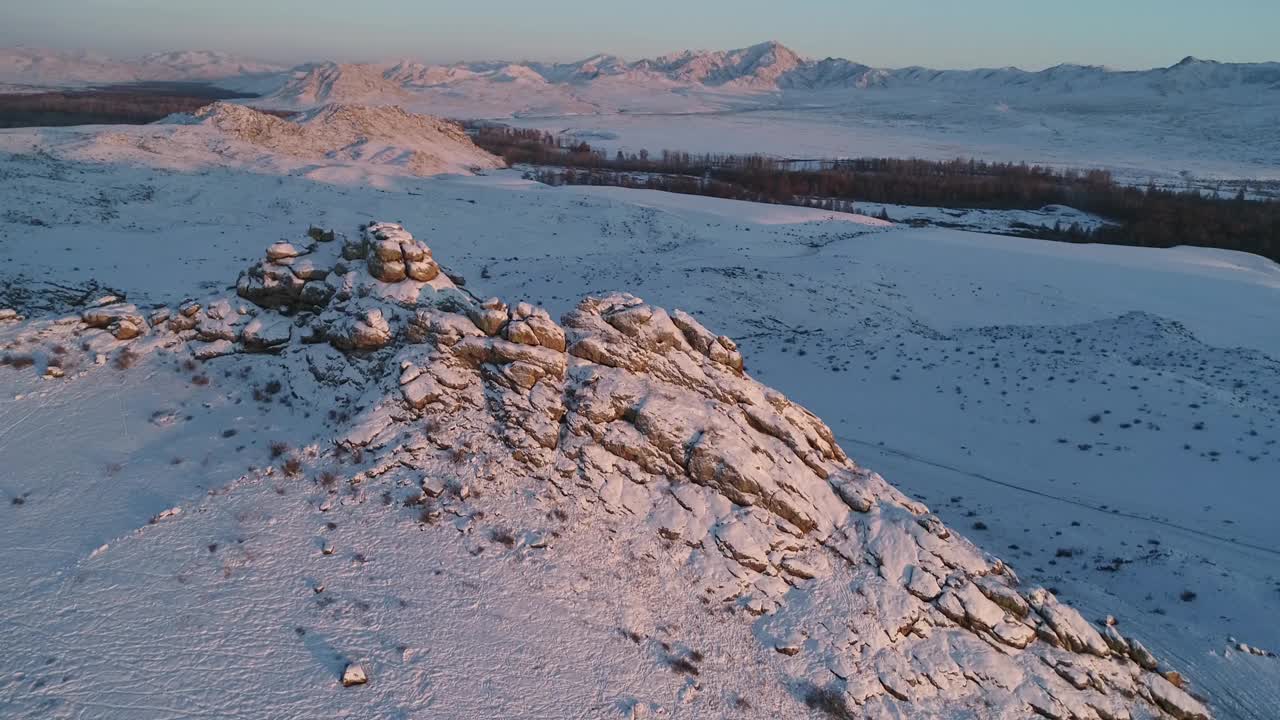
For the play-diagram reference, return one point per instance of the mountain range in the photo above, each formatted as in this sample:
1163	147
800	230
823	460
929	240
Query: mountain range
768	66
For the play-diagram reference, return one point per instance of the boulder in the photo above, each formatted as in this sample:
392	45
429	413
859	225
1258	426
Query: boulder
490	316
282	251
103	316
260	334
366	331
125	329
354	674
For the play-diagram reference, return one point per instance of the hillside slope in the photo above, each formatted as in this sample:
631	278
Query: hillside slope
493	484
333	140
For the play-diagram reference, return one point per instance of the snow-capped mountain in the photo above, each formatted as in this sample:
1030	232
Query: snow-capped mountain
765	66
202	65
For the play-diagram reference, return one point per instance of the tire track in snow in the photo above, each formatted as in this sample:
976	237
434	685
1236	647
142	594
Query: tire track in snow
1058	498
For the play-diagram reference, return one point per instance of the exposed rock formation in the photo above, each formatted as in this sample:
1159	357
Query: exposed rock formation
649	418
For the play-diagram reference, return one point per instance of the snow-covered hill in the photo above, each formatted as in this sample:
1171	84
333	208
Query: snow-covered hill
347	142
1200	118
622	454
371	466
53	68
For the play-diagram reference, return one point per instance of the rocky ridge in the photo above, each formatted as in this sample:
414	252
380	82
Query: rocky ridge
640	418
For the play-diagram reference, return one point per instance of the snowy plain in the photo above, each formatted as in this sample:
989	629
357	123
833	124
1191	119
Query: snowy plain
1104	418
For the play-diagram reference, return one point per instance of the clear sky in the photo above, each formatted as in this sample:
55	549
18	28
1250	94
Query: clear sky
887	33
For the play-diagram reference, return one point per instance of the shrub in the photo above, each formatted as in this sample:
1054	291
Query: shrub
126	359
320	234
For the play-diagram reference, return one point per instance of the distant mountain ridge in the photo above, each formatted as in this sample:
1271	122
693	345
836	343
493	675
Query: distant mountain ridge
44	67
765	67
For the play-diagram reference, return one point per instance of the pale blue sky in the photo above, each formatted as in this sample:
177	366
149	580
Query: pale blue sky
891	33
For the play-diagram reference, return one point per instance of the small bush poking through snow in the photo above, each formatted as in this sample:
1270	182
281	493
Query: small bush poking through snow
683	665
320	234
279	448
293	466
829	701
125	359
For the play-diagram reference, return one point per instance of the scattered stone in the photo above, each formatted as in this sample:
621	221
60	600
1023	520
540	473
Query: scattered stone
354	674
281	251
261	335
211	350
104	316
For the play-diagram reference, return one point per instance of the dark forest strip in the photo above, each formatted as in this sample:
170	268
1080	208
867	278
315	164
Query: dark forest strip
1148	216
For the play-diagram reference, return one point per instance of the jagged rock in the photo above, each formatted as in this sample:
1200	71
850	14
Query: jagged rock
316	293
308	269
269	285
209	351
444	328
9	315
719	348
125	329
1141	655
490	316
368	331
264	335
1173	700
533	326
1117	642
923	584
104	316
1003	595
210	329
1076	633
159	317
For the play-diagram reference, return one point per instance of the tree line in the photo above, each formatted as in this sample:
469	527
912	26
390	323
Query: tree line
1149	216
125	104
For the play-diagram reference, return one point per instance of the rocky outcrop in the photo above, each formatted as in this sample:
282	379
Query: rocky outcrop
288	277
648	420
394	255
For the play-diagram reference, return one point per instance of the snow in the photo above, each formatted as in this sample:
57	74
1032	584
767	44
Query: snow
1179	345
54	68
335	143
1210	120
